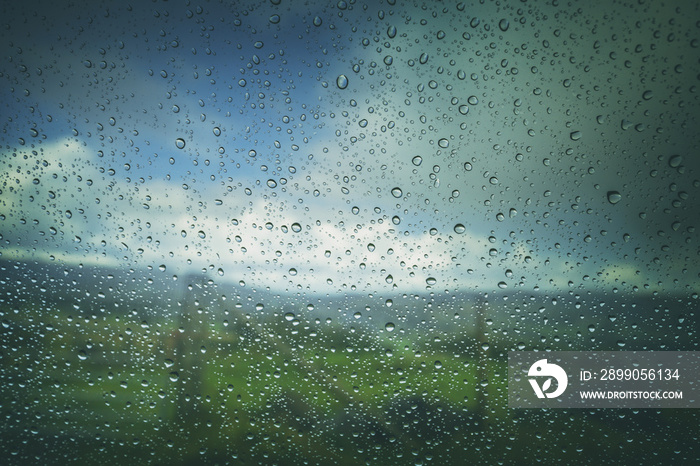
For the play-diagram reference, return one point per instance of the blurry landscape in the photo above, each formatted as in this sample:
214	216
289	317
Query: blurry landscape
99	366
284	232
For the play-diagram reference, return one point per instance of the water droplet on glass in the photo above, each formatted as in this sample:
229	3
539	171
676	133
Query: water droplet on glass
318	21
675	161
180	143
459	229
503	25
396	192
342	81
431	281
389	327
444	143
296	228
417	160
575	136
614	197
463	109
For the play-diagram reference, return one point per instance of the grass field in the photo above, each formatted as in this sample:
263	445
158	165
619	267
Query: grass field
195	390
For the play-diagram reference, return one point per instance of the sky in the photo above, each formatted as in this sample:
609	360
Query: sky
526	146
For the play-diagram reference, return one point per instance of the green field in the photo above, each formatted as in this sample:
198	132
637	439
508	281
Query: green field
199	390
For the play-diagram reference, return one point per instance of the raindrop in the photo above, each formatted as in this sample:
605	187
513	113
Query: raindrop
342	81
389	327
614	197
444	143
396	192
459	229
318	21
575	136
431	281
180	143
463	109
296	228
417	160
675	161
504	24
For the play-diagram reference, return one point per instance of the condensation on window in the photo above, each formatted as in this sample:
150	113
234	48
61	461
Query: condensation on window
284	232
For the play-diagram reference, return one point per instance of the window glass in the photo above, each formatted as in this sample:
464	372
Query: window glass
280	232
